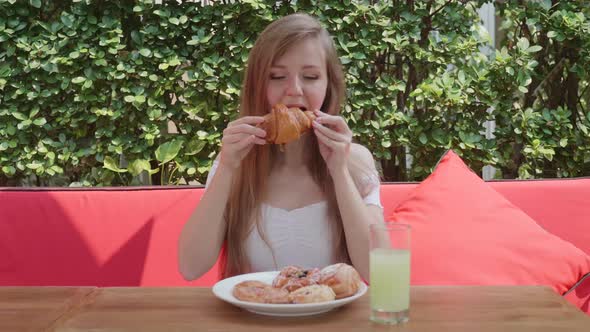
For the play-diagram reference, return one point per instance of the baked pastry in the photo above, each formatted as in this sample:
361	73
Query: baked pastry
342	278
292	277
284	125
257	291
312	294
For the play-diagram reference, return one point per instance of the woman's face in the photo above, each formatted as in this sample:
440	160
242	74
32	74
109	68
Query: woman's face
299	77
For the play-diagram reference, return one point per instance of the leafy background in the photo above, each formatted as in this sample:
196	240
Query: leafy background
97	93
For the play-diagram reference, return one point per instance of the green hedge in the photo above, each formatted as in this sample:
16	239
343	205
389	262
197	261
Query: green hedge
86	85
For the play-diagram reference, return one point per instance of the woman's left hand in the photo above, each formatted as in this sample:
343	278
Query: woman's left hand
334	138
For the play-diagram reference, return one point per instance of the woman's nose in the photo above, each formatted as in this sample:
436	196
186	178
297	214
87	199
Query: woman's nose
293	87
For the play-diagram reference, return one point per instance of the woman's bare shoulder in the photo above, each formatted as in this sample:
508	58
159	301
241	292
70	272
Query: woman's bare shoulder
361	153
363	169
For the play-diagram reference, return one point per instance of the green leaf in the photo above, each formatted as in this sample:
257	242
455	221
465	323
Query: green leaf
8	170
195	146
439	136
145	52
67	20
19	116
523	89
161	13
168	151
359	56
129	98
423	139
34	165
35	3
534	49
78	80
523	44
461	76
563	142
137	166
111	164
137	37
546	4
40	121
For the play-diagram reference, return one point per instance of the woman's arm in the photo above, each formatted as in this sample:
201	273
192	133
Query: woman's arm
356	214
203	234
335	143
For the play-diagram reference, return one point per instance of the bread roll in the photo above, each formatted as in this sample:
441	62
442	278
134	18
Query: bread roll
291	278
259	292
312	294
342	278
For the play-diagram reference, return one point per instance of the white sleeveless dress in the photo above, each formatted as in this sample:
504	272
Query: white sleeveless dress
301	237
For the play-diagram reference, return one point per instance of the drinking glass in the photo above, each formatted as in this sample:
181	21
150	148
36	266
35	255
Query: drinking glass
389	272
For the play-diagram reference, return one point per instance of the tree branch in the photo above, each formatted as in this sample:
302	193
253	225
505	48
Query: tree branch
431	15
557	69
583	93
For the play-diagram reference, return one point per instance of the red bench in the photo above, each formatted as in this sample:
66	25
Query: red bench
127	236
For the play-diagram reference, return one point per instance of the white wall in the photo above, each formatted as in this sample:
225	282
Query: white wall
488	15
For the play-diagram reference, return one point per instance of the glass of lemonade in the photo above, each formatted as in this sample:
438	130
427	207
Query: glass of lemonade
389	275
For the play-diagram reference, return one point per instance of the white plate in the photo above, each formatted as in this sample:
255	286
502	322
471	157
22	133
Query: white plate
223	290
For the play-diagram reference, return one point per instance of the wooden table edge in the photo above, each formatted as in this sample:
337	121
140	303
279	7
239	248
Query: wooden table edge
82	297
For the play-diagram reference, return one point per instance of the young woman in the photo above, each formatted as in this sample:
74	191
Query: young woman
309	203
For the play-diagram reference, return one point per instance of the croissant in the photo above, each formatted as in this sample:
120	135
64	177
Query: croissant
284	125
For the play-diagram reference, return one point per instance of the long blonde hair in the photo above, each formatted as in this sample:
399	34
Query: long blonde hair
250	182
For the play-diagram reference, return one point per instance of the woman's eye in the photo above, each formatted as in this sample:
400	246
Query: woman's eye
311	77
276	77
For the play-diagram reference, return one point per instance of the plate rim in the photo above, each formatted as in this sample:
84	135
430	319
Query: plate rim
279	308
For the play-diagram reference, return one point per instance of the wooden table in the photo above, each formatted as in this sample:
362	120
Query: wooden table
433	308
37	308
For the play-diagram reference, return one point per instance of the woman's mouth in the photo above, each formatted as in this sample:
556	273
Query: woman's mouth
303	108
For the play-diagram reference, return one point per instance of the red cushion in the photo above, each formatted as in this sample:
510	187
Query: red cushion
394	193
579	295
544	200
560	206
465	232
95	237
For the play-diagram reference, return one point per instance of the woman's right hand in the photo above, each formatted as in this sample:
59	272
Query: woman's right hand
238	139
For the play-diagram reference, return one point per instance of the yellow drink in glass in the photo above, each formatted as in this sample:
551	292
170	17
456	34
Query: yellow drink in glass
390	279
389	268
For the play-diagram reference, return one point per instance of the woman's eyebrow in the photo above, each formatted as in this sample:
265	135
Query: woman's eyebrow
304	67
